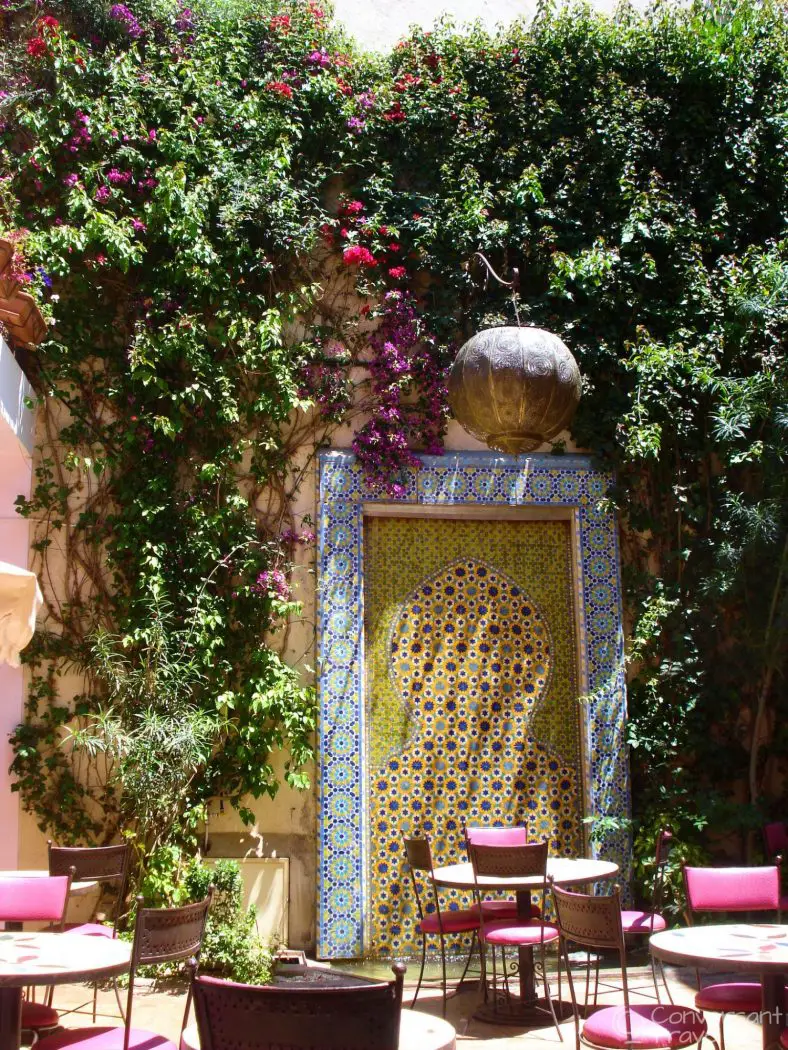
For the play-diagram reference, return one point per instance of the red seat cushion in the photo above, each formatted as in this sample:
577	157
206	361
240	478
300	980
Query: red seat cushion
784	1039
730	997
654	1026
464	920
641	922
89	929
104	1039
39	1015
508	931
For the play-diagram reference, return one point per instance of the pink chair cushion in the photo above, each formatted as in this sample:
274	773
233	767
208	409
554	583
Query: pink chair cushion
516	836
730	997
104	1039
506	910
36	899
784	903
654	1026
465	920
642	922
784	1039
39	1015
733	889
89	929
506	931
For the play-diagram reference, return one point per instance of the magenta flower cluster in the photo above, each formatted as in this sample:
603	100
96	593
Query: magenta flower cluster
120	13
402	361
272	581
81	136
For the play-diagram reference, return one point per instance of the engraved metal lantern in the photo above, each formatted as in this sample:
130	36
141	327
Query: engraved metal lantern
514	388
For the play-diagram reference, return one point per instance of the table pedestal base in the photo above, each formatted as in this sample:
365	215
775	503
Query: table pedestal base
522	1013
10	1018
773	1018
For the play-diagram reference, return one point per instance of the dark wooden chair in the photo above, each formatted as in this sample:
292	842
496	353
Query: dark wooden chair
268	1017
161	935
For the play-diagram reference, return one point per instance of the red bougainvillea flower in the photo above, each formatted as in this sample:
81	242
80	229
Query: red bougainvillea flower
279	87
351	208
357	255
280	23
394	114
397	272
48	22
37	47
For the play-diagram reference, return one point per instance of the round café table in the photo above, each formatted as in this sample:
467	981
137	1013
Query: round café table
527	1008
758	949
417	1031
50	958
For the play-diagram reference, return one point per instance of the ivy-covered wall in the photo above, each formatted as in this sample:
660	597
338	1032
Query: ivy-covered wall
251	241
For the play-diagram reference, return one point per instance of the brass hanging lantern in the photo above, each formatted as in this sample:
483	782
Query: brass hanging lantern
514	387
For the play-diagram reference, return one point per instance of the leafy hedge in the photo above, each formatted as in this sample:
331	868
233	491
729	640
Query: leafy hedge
230	215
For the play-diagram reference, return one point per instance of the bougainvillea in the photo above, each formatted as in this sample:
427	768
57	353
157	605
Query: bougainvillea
253	234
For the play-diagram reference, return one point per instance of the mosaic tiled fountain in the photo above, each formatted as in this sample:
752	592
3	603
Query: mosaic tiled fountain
459	628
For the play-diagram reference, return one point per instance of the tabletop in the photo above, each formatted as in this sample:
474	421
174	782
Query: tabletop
58	958
565	871
753	947
77	887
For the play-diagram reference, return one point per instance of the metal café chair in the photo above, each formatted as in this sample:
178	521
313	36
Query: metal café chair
592	922
512	835
36	899
521	861
434	920
269	1017
161	935
743	890
107	865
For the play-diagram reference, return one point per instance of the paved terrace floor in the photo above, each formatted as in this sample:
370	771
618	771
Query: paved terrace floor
159	1008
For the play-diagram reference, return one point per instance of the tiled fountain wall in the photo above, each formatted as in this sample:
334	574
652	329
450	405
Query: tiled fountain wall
458	628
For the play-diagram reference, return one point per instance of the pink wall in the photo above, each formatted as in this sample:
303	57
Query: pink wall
16	440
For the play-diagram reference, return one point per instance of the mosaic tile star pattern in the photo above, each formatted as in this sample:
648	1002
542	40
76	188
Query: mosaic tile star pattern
348	747
462	680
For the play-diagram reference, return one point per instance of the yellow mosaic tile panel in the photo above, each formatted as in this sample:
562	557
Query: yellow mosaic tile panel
472	711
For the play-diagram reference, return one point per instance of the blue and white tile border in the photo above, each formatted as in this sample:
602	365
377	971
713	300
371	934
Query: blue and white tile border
574	488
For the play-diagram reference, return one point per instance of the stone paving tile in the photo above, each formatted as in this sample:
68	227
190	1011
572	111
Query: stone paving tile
160	1007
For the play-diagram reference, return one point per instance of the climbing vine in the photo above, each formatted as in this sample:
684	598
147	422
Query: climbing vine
245	234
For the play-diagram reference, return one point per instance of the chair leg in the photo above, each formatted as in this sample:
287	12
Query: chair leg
548	996
421	971
474	939
443	970
665	981
722	1031
654	976
121	1007
483	962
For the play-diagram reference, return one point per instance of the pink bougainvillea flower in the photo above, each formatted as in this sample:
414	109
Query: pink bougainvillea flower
152	135
397	272
118	178
139	226
37	47
351	208
102	194
358	255
71	180
280	88
393	247
280	23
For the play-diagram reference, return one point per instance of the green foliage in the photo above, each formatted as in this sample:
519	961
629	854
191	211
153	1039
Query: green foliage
231	946
241	165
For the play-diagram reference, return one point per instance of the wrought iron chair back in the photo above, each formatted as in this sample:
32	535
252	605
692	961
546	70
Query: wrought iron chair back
104	864
270	1017
500	861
